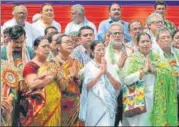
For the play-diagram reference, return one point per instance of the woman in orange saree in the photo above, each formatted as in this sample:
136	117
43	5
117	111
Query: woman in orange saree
71	97
39	105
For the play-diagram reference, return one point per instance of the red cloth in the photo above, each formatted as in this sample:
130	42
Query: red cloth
31	101
30	68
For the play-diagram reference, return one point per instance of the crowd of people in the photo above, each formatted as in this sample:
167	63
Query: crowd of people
121	74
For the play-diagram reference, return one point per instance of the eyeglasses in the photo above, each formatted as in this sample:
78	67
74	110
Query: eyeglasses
68	42
157	22
21	13
139	29
116	33
165	37
76	14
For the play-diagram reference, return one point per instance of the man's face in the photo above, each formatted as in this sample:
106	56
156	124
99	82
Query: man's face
86	37
115	12
53	44
76	16
135	29
165	40
18	44
156	23
20	14
50	30
160	9
47	12
75	40
116	35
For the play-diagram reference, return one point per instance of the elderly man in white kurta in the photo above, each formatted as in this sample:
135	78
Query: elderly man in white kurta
79	20
19	18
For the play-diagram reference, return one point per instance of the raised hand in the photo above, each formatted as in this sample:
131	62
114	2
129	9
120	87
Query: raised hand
122	59
103	66
73	70
147	65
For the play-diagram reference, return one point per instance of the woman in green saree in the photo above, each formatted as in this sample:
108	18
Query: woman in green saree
159	82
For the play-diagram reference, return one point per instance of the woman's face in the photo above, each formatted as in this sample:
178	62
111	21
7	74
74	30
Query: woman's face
99	51
67	45
176	40
144	44
43	49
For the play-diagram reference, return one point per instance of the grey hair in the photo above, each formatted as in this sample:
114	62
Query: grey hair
161	30
116	24
149	21
73	33
79	8
15	8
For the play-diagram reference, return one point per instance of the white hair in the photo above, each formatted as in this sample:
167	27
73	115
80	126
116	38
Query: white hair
157	15
117	24
16	8
161	30
79	8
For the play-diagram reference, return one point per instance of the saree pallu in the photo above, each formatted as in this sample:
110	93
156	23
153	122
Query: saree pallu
71	98
164	111
42	106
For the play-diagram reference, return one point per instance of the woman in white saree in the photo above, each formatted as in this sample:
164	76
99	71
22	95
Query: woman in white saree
100	89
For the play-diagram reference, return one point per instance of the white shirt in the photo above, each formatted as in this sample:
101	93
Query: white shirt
2	30
71	27
155	46
39	26
30	36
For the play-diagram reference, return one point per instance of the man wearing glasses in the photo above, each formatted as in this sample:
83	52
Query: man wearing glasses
116	54
19	13
79	20
154	22
135	28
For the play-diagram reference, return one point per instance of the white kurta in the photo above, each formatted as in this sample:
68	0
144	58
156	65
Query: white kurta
30	32
98	104
71	27
40	27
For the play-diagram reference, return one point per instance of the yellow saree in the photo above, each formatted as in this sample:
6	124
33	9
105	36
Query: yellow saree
44	104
